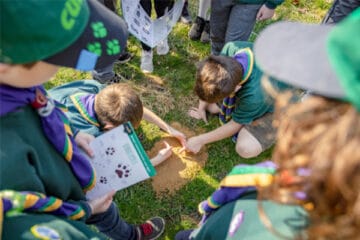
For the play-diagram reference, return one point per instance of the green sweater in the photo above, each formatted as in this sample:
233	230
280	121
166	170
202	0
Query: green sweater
30	163
240	220
252	101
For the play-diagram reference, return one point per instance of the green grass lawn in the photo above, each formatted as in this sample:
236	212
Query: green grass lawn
169	93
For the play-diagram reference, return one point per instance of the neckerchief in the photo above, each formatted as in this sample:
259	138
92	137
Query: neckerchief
84	103
246	59
16	202
242	178
55	126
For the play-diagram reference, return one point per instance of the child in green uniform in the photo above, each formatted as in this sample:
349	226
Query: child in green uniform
43	174
312	190
246	109
93	108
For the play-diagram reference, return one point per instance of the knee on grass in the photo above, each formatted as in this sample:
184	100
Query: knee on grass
248	150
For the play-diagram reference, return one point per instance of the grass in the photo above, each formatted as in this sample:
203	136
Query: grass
169	93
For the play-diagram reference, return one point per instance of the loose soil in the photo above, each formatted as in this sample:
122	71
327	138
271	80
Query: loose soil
178	169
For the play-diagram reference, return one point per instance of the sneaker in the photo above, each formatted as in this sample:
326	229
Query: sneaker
163	47
151	229
146	65
197	28
124	58
205	35
185	16
186	19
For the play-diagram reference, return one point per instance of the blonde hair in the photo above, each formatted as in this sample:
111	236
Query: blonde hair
318	158
117	104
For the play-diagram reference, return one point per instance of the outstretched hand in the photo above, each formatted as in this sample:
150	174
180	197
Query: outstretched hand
199	114
194	145
179	135
163	154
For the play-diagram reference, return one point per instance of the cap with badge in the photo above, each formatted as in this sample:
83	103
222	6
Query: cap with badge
320	58
81	34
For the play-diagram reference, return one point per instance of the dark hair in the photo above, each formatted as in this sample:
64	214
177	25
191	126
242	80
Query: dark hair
217	77
117	104
318	156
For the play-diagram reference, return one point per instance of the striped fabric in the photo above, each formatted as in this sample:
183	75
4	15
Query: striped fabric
245	58
16	202
242	179
76	99
56	127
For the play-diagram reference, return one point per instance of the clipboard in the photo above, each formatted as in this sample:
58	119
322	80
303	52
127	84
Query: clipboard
119	161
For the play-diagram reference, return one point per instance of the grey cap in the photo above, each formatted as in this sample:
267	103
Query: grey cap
295	53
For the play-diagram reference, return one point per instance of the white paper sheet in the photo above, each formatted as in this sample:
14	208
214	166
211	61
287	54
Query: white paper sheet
150	31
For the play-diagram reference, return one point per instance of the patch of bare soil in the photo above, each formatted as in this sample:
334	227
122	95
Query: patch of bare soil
178	169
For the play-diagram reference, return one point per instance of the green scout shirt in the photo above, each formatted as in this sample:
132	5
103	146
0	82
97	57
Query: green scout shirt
30	163
252	101
62	94
240	220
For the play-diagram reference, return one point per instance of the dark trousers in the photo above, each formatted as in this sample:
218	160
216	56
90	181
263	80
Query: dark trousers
160	7
340	9
110	224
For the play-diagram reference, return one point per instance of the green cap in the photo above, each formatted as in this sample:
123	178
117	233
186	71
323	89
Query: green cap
324	59
343	48
73	33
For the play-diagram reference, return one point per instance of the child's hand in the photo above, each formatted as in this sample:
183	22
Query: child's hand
163	154
101	204
83	139
194	145
265	13
179	135
198	114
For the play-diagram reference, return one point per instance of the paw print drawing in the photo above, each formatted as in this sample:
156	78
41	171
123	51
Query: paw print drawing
122	171
110	151
95	48
99	30
103	180
113	47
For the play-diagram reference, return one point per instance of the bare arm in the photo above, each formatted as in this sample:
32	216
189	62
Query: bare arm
194	144
163	154
154	119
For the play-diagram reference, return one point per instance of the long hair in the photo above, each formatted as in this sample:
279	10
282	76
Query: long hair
318	158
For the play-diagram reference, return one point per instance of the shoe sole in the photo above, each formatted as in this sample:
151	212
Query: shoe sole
124	61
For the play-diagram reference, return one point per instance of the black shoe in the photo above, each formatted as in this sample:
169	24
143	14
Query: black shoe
151	229
124	58
115	79
197	28
205	35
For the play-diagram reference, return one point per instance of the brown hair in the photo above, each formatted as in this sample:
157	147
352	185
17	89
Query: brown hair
318	158
217	77
117	104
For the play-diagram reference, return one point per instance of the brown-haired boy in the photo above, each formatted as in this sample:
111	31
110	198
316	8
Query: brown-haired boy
245	112
94	108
